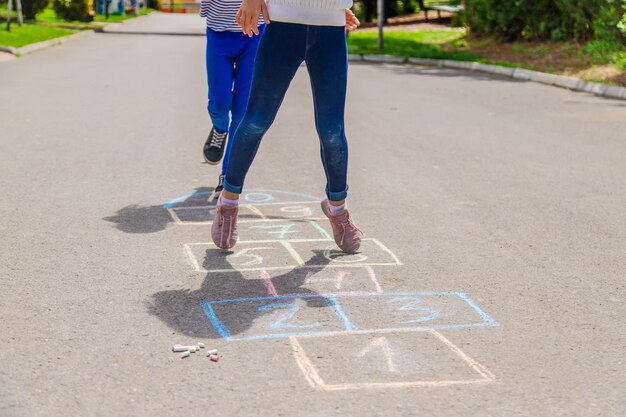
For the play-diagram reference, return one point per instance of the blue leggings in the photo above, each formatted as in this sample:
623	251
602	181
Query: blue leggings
229	66
282	49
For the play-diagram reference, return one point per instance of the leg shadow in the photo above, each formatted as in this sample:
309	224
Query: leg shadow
182	310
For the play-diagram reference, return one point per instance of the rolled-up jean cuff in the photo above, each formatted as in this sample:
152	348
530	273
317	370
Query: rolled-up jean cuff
332	195
232	188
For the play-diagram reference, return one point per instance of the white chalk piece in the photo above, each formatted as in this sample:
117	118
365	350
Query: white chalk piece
211	352
183	348
201	345
185	355
214	358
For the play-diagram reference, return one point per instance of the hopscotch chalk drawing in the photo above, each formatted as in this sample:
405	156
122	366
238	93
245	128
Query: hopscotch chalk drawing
386	339
392	313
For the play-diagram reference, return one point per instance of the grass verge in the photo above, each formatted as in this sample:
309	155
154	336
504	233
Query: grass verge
48	26
594	61
29	33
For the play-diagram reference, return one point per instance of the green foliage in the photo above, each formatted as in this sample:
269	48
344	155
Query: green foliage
153	4
71	10
619	59
547	19
30	8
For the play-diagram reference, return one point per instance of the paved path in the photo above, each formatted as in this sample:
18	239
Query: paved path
491	283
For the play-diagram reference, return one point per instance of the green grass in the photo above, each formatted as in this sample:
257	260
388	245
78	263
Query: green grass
48	26
50	17
420	44
29	33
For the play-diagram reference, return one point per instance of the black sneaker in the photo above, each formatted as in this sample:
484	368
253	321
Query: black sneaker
214	147
218	188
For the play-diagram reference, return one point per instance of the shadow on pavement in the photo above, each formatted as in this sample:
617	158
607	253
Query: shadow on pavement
439	72
182	310
151	219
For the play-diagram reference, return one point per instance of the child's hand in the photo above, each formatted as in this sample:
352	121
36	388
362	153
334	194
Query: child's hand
351	21
248	16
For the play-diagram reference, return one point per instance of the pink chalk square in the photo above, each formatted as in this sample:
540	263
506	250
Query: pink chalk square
359	361
323	280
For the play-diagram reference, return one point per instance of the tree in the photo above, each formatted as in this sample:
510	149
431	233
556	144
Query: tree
545	19
30	8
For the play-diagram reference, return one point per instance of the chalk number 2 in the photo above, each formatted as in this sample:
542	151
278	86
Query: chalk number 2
283	321
415	305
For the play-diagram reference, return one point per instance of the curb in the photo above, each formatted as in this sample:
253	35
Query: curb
571	83
34	47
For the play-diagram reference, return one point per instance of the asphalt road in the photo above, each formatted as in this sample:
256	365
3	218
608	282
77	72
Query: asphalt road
492	282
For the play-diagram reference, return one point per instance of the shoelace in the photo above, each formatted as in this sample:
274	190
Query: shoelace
350	225
217	139
347	224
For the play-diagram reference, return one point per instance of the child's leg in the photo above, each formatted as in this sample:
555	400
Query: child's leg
327	62
281	51
220	70
244	66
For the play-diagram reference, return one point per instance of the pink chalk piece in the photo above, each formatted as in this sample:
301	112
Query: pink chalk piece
214	358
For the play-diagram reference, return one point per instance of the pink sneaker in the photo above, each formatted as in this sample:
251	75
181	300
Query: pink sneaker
347	235
224	228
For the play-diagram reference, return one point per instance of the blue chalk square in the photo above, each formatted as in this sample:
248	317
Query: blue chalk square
275	317
413	311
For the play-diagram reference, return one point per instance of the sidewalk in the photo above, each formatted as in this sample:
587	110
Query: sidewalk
159	23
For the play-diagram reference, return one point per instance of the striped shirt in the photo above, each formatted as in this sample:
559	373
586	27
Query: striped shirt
221	14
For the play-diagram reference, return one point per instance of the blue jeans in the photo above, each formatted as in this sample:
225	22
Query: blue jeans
229	65
283	48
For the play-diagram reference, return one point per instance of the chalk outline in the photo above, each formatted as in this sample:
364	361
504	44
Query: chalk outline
217	324
207	307
370	272
312	376
287	245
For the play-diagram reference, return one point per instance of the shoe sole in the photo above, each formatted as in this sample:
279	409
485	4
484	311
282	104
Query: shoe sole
211	162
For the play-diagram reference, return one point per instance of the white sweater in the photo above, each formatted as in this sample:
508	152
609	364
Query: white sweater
309	12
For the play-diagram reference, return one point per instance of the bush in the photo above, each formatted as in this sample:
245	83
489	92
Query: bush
620	60
30	8
71	10
546	19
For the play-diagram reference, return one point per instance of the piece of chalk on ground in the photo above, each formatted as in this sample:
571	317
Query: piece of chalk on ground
192	349
214	358
201	345
211	352
185	355
182	348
